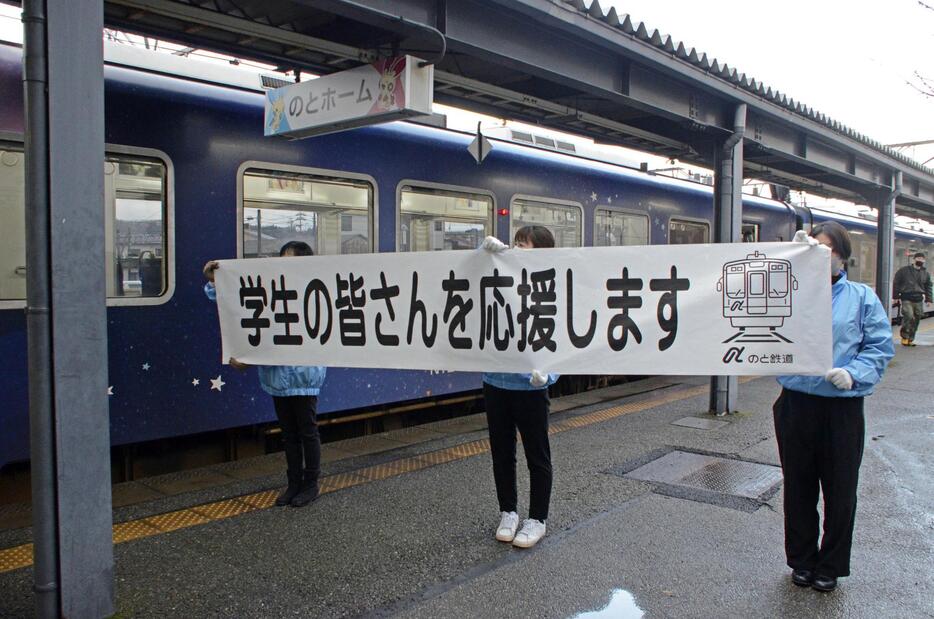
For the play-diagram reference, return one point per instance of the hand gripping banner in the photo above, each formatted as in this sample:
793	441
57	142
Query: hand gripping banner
718	309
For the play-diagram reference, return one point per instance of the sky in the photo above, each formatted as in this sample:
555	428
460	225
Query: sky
849	59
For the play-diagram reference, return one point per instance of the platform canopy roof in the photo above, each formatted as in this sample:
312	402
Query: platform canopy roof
564	64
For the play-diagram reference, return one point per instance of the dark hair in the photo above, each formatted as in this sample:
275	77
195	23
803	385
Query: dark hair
538	236
839	237
920	254
298	248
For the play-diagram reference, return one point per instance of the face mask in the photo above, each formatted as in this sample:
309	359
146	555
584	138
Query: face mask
919	263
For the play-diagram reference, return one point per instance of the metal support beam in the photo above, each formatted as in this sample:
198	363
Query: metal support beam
886	241
728	218
64	84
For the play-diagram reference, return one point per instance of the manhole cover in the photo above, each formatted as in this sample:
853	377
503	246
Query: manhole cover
709	479
700	423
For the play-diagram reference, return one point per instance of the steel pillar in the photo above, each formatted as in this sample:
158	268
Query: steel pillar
886	241
728	218
66	306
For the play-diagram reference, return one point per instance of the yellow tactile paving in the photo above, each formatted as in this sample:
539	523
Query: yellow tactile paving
15	558
176	520
21	556
393	468
223	509
261	500
340	481
135	529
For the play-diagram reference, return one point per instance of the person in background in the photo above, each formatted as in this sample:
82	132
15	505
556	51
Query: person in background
520	401
820	428
294	391
912	286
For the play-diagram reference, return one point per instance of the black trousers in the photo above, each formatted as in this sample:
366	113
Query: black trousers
820	444
300	432
506	411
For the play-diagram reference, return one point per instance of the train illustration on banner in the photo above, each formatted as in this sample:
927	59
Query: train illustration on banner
757	296
189	177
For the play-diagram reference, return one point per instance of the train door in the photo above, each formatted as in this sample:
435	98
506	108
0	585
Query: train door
614	227
12	224
750	232
564	219
756	291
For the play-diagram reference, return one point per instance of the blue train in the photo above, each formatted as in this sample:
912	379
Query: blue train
190	177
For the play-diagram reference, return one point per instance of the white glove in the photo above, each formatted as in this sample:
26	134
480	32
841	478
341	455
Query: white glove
803	237
538	379
493	245
840	379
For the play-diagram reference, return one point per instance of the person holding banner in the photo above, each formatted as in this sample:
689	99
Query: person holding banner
520	401
294	391
819	424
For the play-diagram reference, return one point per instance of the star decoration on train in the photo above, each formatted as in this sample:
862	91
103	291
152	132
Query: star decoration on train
217	383
110	390
146	366
593	196
609	199
195	382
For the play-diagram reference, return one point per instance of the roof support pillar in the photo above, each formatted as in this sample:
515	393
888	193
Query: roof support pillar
728	225
885	249
67	318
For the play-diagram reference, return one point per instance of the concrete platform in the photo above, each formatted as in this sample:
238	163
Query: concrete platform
408	531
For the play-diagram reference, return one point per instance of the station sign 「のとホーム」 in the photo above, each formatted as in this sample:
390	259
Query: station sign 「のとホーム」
724	309
388	89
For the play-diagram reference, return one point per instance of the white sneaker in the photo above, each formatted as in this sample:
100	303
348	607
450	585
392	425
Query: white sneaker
532	531
508	524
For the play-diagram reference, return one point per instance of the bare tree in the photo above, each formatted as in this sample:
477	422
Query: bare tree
924	85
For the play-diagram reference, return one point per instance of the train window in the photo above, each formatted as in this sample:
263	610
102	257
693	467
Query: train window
750	232
12	224
331	214
134	226
435	219
562	219
614	228
681	232
135	208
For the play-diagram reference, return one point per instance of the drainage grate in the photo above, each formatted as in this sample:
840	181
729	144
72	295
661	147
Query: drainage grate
709	479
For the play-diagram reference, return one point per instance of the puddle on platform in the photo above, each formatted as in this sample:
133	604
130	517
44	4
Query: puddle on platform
622	605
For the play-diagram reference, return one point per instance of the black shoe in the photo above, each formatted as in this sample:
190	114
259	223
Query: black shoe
306	495
802	578
287	495
824	583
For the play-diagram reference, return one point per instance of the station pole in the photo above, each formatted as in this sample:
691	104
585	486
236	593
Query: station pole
885	242
66	307
728	217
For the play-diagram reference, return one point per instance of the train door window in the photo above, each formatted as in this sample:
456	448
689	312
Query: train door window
613	228
563	219
750	232
682	232
12	224
333	215
433	219
134	226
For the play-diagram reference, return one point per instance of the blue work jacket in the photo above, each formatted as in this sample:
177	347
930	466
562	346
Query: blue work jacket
284	380
862	342
516	382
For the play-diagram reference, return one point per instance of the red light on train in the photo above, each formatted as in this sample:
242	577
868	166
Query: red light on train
503	212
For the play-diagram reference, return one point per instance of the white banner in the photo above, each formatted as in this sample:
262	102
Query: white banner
733	309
